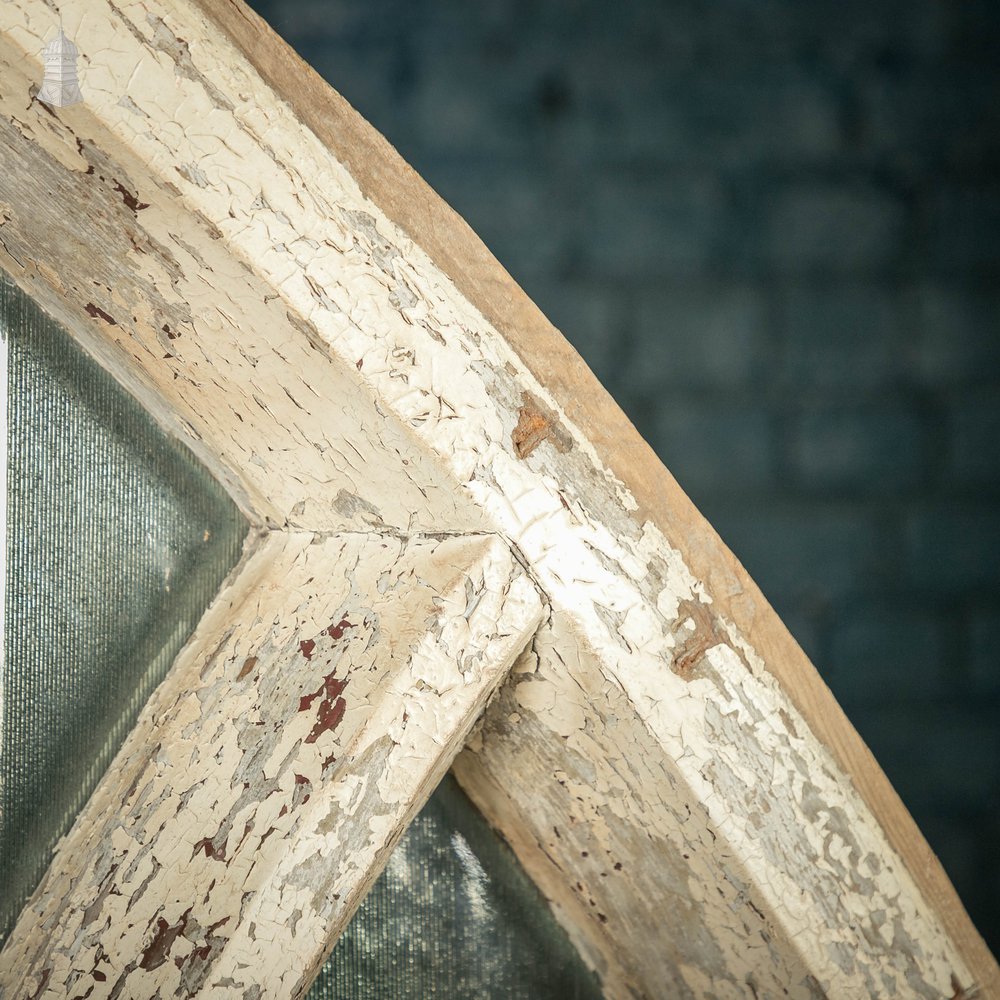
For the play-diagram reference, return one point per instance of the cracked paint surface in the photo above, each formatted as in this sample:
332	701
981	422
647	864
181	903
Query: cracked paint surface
213	350
334	378
269	777
633	834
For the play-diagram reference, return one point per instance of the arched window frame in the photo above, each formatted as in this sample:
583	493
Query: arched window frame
261	270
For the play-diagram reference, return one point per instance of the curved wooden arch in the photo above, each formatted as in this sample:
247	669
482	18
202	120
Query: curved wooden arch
265	274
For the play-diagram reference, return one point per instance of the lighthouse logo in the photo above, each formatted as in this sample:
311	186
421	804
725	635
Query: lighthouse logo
60	86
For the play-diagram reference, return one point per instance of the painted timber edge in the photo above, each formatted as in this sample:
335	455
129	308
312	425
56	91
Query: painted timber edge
260	793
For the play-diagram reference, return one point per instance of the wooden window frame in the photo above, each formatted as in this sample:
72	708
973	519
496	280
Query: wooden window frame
250	259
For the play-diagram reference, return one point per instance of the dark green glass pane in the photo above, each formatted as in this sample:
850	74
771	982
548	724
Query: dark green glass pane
453	916
117	540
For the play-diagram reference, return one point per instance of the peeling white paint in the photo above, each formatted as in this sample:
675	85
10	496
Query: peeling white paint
318	726
336	379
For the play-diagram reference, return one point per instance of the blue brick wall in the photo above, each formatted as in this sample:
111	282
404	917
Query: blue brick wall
772	228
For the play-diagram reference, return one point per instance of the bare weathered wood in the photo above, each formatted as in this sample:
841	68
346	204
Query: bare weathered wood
262	788
274	283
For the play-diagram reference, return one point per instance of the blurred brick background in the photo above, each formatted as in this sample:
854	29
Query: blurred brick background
772	228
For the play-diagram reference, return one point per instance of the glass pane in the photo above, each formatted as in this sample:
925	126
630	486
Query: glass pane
116	542
453	916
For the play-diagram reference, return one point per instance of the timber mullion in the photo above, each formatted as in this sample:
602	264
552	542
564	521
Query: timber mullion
321	699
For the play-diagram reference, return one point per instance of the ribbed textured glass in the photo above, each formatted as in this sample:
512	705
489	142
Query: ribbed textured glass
117	540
